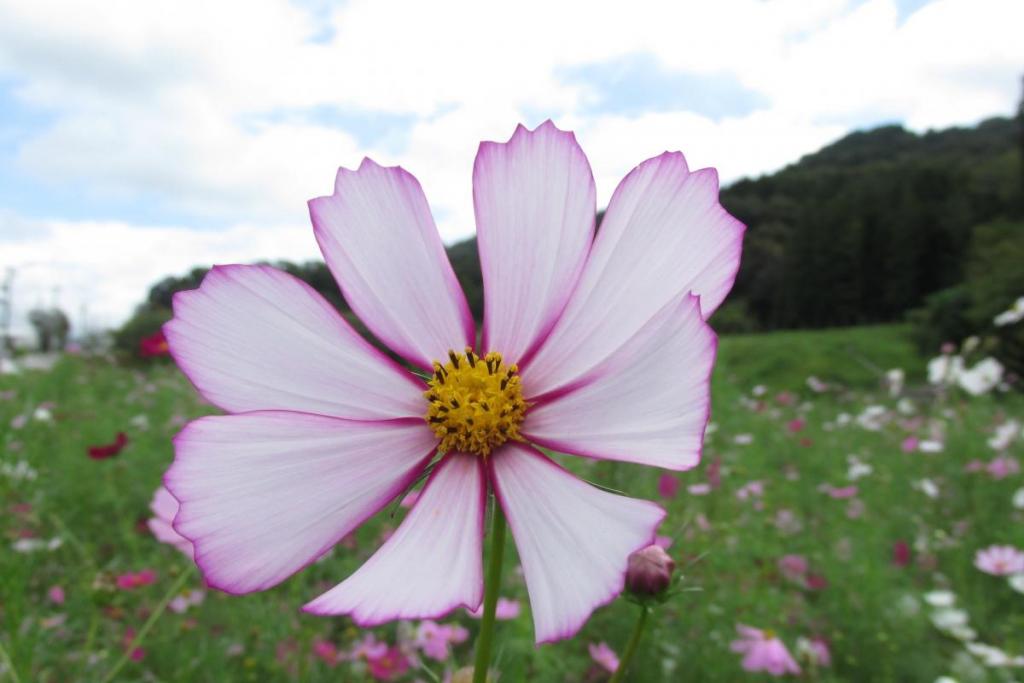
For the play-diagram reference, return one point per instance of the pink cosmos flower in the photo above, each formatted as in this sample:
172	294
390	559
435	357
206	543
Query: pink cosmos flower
714	473
434	639
668	486
839	493
909	444
190	598
132	580
368	648
153	345
763	651
604	656
794	567
109	450
165	507
901	553
137	654
1002	466
1000	560
56	595
582	351
787	522
752	489
815	650
326	651
796	425
390	665
505	609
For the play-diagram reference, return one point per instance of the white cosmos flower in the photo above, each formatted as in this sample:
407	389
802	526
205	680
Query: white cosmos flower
992	656
1014	314
894	380
927	487
1005	434
982	378
945	369
940	598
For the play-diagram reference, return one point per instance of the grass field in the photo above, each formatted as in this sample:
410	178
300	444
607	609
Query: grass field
74	523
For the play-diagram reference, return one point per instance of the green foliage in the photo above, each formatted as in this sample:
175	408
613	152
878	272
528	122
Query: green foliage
994	280
869	226
726	549
854	357
734	317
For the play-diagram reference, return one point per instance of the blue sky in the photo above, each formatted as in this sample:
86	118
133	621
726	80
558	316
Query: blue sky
162	141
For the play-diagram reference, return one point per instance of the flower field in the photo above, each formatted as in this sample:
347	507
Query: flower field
841	521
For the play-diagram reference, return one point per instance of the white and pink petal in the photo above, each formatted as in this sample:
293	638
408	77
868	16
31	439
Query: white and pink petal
664	234
432	563
648	402
574	540
165	508
256	338
263	494
535	207
380	243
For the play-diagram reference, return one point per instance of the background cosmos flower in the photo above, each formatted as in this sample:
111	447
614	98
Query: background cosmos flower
604	336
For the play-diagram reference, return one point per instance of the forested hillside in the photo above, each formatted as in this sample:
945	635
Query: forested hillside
861	231
866	228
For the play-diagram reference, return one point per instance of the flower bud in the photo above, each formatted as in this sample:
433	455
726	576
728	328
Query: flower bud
649	572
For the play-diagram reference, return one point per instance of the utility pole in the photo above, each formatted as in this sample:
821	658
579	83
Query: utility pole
1020	134
6	311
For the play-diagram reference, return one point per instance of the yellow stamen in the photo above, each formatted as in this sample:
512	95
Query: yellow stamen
474	404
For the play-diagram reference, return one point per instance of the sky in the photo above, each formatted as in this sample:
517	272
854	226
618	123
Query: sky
140	139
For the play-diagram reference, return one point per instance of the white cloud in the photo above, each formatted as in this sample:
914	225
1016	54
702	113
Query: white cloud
107	267
174	103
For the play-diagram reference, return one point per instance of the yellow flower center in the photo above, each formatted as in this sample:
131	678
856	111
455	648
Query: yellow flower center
475	404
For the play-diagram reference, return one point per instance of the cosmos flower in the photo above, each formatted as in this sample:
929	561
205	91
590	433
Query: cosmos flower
153	345
604	656
814	650
183	601
109	450
839	493
1002	466
1005	434
165	507
390	665
763	651
668	486
982	377
793	567
901	553
582	351
132	580
1000	560
1014	314
326	652
506	609
945	369
434	639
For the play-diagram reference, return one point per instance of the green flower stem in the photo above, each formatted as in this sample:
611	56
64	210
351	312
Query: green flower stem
491	586
141	635
634	640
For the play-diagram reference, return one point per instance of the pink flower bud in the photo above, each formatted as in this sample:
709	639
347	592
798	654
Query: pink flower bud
650	571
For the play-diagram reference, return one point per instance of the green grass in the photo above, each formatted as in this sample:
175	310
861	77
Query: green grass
726	547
